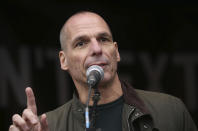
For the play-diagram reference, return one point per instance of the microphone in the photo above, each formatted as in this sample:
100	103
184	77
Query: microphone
94	75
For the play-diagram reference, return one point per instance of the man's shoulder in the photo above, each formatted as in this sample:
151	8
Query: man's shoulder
167	111
158	98
153	94
61	109
57	117
158	102
59	113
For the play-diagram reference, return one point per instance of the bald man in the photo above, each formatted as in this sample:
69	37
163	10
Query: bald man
86	40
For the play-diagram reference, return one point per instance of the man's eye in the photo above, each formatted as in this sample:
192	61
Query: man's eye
103	39
79	44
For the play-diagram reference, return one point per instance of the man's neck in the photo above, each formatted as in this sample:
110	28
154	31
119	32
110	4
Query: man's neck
108	93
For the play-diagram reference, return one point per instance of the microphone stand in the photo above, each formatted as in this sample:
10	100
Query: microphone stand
95	99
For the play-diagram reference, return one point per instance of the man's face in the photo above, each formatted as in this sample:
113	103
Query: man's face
89	42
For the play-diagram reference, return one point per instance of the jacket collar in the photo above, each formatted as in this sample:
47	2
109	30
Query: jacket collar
131	97
135	106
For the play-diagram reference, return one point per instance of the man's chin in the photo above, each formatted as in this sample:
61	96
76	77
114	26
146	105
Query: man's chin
105	82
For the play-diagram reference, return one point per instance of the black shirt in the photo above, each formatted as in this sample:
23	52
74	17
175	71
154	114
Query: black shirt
109	116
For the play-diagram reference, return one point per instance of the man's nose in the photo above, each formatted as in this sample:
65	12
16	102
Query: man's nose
96	47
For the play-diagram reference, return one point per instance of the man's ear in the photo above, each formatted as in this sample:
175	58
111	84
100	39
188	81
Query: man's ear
63	60
117	52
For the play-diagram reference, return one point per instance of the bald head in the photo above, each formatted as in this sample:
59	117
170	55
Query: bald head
86	18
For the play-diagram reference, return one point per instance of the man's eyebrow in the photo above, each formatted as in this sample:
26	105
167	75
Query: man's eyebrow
105	34
79	38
